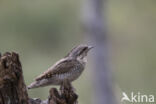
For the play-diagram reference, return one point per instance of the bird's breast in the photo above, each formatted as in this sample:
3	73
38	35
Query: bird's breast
70	76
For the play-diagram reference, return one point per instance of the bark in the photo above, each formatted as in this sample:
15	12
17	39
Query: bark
65	95
12	86
13	89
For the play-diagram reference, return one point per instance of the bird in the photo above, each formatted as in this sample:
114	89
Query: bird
68	68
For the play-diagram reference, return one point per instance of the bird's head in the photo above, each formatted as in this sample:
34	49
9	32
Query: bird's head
79	51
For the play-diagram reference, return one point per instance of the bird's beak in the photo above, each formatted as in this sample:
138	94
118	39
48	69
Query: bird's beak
90	47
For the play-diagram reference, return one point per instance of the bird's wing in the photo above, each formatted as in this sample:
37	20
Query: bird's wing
60	67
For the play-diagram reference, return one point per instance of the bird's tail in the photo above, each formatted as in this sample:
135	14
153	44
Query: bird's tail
38	83
33	85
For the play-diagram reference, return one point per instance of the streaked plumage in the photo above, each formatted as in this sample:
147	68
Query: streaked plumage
68	68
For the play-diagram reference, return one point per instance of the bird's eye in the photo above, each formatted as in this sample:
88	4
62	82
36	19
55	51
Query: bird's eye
85	49
82	50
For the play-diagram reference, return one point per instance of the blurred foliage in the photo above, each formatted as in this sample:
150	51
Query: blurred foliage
43	31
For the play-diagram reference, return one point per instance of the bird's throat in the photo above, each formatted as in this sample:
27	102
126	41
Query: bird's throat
82	60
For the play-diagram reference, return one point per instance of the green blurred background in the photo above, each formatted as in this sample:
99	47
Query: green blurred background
43	31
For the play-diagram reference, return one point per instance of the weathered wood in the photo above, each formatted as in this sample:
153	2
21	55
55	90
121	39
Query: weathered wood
12	86
65	95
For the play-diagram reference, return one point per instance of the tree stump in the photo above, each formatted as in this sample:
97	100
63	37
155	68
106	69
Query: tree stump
65	95
12	86
13	89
